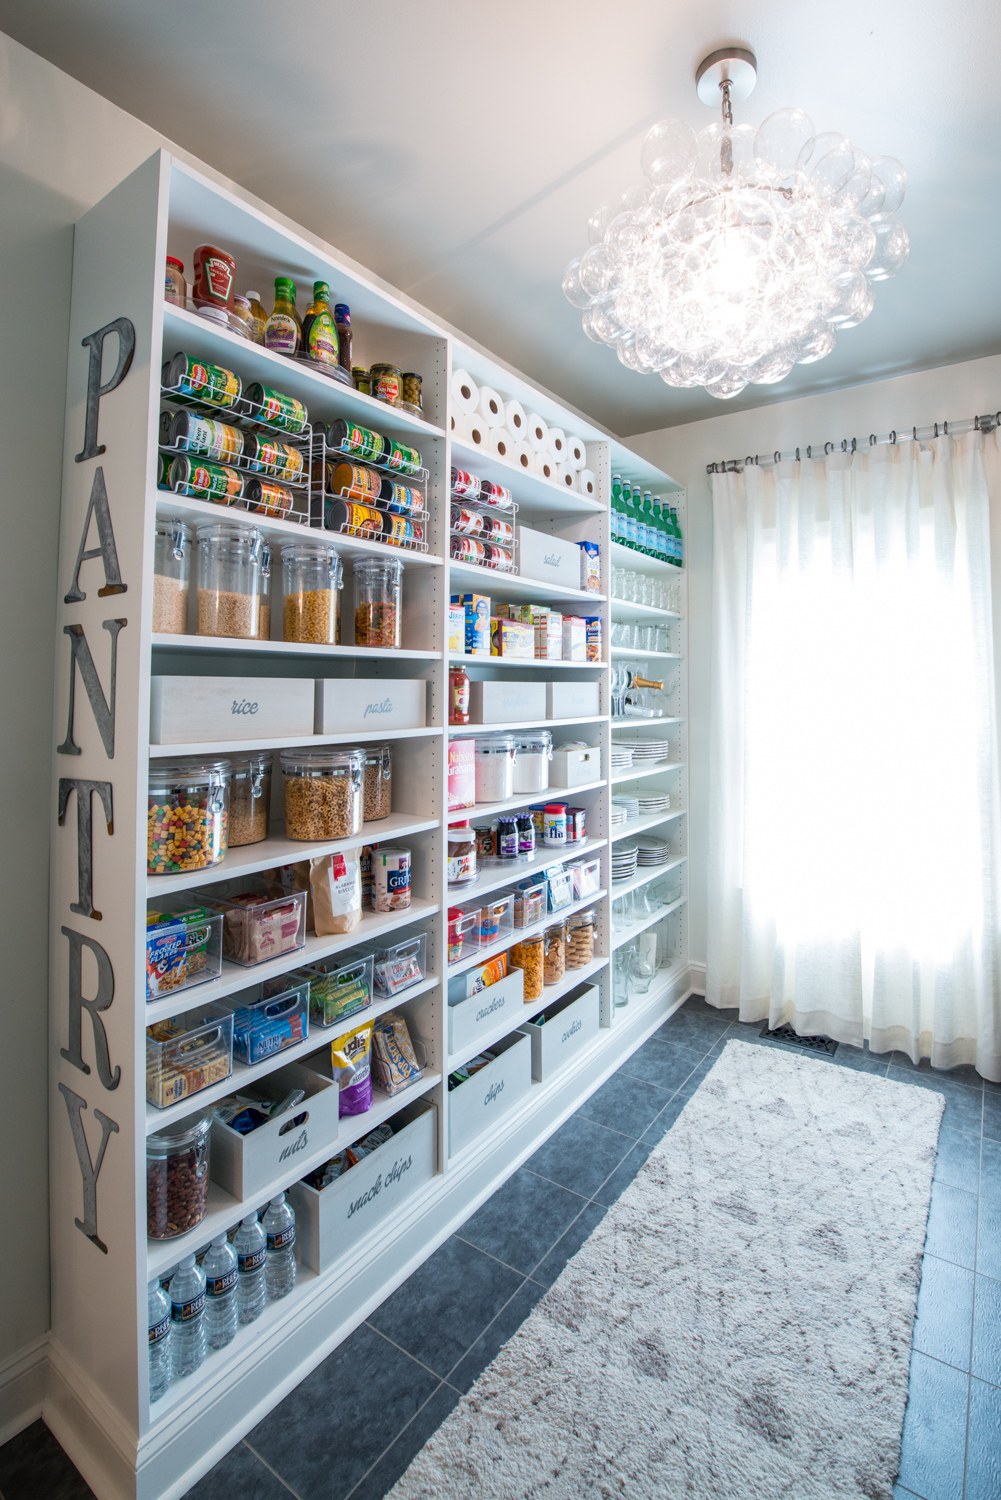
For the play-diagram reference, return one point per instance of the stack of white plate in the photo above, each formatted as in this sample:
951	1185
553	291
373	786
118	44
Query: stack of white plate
624	861
619	815
631	804
622	757
654	804
653	852
647	750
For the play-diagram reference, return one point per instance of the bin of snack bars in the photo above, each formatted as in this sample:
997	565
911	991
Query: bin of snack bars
258	924
183	948
188	1053
401	965
177	1177
339	986
269	1017
395	1062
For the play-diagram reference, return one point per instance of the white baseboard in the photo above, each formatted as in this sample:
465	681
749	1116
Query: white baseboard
698	973
22	1388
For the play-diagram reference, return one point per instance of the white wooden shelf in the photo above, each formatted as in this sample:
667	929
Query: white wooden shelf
463	731
636	651
646	770
513	586
223	1210
326	399
643	825
643	877
525	663
532	492
289	742
278	850
486	810
225	643
496	873
626	934
551	993
626	609
625	557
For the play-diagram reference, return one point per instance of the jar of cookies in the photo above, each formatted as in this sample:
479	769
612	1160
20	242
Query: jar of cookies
580	939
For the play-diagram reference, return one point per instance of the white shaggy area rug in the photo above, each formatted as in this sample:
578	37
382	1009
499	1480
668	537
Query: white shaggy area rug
738	1327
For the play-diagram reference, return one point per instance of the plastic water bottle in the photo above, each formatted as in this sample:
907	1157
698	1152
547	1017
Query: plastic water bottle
187	1318
251	1251
219	1267
279	1226
159	1341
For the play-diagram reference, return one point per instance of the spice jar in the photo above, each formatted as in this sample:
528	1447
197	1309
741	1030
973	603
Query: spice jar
378	782
177	1177
555	953
458	695
311	580
387	384
229	579
461	854
323	793
411	392
171	576
378	591
187	816
174	289
249	799
531	765
495	769
529	955
580	939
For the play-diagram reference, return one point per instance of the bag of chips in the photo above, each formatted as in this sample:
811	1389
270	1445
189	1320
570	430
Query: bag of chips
351	1063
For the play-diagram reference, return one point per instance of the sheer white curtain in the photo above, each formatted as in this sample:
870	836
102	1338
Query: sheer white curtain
855	814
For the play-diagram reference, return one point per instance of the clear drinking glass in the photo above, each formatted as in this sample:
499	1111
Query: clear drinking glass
641	970
632	585
620	976
663	638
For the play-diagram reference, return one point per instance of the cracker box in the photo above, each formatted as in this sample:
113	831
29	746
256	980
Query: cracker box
574	638
548	635
461	773
510	638
456	629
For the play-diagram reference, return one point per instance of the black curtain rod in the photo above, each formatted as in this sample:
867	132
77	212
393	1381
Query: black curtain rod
986	423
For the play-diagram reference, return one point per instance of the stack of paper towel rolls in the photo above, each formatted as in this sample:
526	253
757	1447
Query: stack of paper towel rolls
487	420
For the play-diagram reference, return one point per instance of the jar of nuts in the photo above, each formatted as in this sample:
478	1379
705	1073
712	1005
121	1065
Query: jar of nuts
311	581
378	782
580	939
529	955
378	592
187	816
171	575
555	953
323	793
177	1177
230	558
249	798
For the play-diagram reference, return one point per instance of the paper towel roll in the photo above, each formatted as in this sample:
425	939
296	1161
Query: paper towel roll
587	483
477	431
501	442
576	452
524	457
557	444
464	391
515	420
537	436
566	476
490	407
545	465
460	425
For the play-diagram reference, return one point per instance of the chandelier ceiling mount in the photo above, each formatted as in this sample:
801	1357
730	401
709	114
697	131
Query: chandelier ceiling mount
744	250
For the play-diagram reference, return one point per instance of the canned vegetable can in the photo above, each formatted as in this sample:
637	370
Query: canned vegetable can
402	500
268	497
354	481
276	409
360	442
400	531
465	485
357	520
206	437
403	459
206	481
191	379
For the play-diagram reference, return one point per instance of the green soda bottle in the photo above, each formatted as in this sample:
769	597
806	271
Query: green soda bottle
679	546
649	526
616	515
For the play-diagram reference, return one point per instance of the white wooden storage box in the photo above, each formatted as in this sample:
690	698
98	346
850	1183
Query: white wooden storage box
185	710
329	1222
247	1164
573	700
482	1013
506	702
347	704
550	559
482	1101
570	768
559	1039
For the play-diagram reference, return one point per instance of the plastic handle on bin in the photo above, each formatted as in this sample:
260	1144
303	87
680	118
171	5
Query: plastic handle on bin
199	1043
411	946
348	976
280	1006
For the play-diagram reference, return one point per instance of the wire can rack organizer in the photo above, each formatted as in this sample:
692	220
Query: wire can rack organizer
509	513
247	416
323	452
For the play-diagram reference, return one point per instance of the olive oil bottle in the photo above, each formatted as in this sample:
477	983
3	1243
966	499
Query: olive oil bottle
319	333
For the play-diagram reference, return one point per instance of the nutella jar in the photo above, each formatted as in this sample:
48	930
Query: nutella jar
461	855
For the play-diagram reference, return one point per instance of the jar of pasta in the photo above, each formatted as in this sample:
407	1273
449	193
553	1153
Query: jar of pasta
311	583
323	793
249	798
378	596
230	557
529	955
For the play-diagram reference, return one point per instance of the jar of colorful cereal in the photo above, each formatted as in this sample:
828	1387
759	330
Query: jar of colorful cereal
187	815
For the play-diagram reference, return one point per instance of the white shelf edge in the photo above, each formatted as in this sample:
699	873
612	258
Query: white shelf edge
643	877
657	770
634	930
630	610
287	648
498	809
460	659
636	652
517	583
643	825
531	490
463	731
235	747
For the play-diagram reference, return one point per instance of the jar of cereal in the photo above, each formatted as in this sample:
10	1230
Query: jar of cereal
187	816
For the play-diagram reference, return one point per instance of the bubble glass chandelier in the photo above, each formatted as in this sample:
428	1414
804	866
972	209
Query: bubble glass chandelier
744	251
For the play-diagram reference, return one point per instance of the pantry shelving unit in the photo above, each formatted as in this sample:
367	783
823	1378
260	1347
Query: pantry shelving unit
97	1402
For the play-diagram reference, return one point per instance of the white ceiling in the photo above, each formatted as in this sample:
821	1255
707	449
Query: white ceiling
457	147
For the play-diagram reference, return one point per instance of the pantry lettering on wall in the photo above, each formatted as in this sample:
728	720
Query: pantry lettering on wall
103	711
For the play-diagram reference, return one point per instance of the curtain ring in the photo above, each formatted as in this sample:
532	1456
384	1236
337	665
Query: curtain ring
751	458
872	440
776	457
797	455
853	445
893	437
828	448
945	428
914	434
936	427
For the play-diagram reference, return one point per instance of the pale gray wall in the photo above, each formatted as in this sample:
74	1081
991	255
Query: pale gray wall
950	392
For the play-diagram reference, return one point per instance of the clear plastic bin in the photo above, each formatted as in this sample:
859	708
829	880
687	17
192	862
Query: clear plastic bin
529	905
188	1053
183	948
339	987
496	920
269	1017
462	922
398	967
586	879
257	924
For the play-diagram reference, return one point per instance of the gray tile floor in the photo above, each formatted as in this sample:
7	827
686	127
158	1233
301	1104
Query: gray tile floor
386	1389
